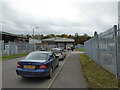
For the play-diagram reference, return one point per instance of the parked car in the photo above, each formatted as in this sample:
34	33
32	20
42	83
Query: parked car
37	64
59	52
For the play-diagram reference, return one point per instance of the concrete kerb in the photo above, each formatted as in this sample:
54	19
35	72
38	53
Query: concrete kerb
49	86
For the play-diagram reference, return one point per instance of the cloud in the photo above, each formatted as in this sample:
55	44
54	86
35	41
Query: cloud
58	16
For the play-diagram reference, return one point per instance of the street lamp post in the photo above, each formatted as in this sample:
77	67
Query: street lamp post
33	39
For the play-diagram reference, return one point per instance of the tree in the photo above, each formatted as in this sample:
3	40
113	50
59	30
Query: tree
64	35
78	39
28	36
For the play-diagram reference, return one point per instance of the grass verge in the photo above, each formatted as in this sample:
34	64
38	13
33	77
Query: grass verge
78	49
96	76
12	56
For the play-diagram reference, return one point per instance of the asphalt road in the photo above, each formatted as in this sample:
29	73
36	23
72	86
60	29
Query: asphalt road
11	80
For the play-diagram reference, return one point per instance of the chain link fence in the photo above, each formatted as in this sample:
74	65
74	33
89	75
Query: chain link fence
118	54
12	48
79	46
104	49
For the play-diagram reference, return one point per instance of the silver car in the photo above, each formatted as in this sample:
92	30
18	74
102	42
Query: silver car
59	52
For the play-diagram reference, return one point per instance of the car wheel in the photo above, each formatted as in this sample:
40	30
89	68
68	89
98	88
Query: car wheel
50	73
62	59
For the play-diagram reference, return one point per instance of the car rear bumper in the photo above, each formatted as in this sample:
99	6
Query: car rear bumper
61	57
32	73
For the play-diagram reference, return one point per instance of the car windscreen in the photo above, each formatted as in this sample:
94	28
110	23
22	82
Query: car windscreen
37	56
56	51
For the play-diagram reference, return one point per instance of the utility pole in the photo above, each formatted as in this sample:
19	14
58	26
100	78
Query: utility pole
34	38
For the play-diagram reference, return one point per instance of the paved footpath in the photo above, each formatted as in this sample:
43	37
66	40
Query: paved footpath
71	75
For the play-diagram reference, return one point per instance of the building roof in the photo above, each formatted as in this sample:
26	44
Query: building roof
49	39
58	39
10	34
35	40
64	40
12	37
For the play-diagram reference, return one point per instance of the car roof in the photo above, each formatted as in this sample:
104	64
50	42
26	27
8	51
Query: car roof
56	48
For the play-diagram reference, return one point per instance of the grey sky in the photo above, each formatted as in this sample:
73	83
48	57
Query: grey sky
58	16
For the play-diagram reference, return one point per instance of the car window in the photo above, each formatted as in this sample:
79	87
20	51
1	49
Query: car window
37	56
56	51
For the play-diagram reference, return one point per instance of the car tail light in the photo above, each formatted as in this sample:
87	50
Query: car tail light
42	66
61	53
18	65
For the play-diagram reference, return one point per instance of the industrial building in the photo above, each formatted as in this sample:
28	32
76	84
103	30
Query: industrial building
6	37
59	42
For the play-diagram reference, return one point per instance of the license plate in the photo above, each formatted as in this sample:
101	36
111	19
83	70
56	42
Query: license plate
29	66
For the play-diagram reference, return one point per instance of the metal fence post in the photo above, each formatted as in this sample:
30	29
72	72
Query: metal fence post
9	50
118	56
116	49
98	52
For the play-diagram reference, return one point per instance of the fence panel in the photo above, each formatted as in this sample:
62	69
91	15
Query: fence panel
13	48
105	50
87	47
79	46
94	48
24	48
1	47
118	58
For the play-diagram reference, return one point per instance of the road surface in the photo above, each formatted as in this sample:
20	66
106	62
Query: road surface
11	80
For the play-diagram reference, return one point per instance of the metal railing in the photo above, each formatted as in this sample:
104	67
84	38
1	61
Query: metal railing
104	49
12	48
79	46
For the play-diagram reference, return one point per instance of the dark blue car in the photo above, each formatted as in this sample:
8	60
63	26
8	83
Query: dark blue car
37	64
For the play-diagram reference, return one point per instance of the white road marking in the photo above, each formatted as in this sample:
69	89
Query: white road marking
57	73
